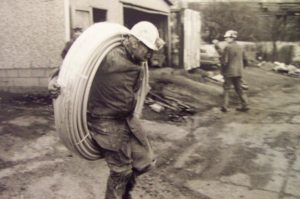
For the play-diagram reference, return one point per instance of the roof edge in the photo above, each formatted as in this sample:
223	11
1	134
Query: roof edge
170	2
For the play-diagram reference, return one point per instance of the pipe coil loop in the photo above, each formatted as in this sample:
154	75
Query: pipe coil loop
75	78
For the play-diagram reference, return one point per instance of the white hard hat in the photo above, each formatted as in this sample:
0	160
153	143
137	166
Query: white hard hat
231	33
148	34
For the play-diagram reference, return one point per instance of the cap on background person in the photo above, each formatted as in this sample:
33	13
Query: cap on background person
231	34
77	29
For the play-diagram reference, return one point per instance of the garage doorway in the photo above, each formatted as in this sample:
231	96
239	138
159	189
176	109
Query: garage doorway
99	15
132	16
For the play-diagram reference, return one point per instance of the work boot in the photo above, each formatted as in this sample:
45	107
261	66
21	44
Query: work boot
119	185
129	187
243	109
224	110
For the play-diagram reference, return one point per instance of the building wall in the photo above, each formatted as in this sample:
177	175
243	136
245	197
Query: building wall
33	33
82	11
32	36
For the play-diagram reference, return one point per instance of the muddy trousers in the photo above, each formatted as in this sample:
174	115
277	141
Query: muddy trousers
126	156
237	84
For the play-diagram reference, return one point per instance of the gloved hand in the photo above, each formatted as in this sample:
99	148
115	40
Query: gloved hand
54	88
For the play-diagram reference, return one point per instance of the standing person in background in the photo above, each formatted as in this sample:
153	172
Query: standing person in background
217	46
220	48
232	64
53	87
76	33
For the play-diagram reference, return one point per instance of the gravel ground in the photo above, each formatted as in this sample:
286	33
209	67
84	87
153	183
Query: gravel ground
210	155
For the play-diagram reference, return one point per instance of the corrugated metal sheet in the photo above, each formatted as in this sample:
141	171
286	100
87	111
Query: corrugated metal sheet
159	5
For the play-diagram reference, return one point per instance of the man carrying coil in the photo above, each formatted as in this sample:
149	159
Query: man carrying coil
111	113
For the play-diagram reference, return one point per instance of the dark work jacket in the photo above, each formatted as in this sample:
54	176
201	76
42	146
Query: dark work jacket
116	82
232	60
113	95
67	48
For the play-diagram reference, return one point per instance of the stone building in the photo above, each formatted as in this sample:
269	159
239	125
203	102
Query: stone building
33	33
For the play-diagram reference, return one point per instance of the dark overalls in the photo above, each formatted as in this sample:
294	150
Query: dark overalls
125	144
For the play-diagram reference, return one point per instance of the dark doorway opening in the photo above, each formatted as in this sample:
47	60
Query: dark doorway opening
132	16
99	15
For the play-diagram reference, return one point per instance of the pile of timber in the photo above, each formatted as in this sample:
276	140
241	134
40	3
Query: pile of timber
168	102
178	93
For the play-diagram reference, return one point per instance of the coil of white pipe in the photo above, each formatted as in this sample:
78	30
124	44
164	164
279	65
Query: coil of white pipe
75	78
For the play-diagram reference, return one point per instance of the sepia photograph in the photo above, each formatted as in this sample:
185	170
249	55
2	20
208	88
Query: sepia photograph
150	99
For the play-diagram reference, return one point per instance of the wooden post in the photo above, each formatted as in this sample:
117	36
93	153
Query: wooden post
169	40
67	20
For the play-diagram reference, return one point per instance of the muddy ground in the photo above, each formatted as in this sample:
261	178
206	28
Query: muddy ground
210	155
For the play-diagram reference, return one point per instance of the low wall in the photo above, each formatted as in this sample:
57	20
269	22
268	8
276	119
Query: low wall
287	52
25	80
32	36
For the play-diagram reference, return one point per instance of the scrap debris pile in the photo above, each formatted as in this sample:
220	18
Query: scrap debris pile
286	69
175	108
177	93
